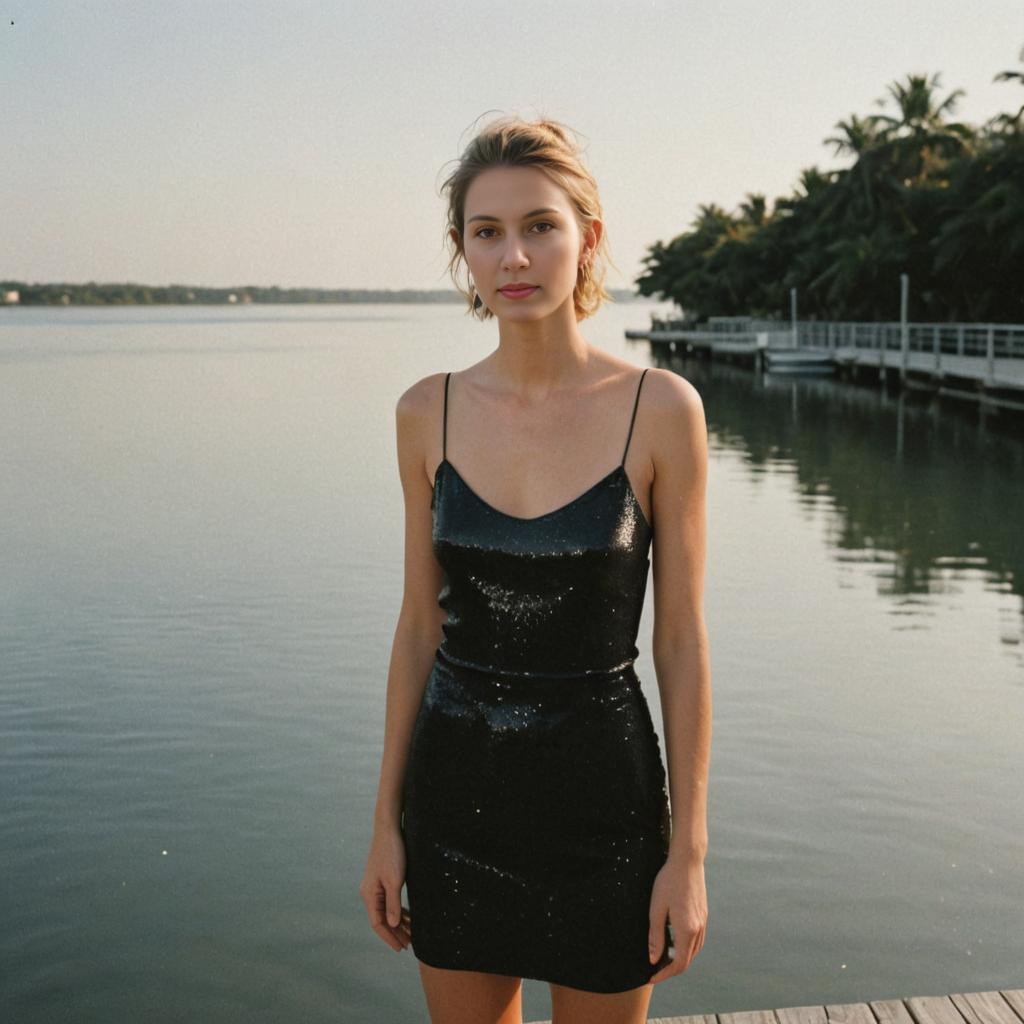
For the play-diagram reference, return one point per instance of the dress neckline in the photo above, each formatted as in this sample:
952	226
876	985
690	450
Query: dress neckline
620	469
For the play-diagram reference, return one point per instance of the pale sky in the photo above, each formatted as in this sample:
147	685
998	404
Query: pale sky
302	143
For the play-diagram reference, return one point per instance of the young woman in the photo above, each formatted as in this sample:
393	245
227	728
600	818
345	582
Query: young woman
522	796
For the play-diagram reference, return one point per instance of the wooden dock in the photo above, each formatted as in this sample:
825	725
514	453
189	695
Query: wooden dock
982	363
1002	1006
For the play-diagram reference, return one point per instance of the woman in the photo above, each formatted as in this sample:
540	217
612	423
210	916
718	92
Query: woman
522	795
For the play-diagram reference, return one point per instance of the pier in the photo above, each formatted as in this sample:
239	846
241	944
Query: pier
982	363
999	1006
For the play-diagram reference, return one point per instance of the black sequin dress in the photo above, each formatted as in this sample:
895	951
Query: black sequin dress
535	811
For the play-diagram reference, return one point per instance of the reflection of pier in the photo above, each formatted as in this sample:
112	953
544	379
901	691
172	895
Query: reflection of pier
977	362
995	1007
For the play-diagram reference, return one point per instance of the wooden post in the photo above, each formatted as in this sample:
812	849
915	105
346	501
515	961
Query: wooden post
904	326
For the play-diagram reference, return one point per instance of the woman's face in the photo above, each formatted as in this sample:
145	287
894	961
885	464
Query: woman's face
521	227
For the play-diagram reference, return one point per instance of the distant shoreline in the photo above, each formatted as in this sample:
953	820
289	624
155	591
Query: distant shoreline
14	294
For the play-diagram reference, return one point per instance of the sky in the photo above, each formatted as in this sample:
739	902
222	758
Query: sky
304	144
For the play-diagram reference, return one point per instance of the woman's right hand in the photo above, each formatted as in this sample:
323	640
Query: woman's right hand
381	888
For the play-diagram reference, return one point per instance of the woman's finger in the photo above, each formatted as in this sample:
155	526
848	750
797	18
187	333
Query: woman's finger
681	956
402	932
377	909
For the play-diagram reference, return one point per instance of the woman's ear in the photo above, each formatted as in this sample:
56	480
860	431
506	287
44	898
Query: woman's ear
591	238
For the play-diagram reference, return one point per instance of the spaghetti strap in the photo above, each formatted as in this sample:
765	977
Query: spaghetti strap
444	428
636	402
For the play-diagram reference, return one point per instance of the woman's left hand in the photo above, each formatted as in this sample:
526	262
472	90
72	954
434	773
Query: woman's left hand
679	894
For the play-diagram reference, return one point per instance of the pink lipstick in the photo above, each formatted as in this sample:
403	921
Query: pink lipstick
517	291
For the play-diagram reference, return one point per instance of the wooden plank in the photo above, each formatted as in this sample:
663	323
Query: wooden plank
934	1010
849	1013
1015	997
890	1011
984	1008
802	1015
695	1018
747	1017
1005	1006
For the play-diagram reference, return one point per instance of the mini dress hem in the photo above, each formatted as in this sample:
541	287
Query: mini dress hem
541	975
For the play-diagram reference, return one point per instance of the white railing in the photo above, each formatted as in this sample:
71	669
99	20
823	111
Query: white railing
992	341
999	341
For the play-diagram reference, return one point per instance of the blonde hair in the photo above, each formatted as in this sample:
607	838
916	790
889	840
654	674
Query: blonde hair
549	146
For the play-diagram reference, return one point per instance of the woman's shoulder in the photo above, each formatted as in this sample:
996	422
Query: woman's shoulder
418	416
420	397
674	418
671	393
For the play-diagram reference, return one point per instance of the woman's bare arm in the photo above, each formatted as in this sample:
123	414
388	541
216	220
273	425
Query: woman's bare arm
418	631
680	643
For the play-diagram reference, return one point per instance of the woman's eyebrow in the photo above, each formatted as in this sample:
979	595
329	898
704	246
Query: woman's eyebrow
532	213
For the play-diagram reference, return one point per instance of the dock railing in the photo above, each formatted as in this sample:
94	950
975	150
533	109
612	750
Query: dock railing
986	341
999	341
983	361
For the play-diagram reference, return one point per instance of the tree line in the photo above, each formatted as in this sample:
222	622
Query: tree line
940	200
94	293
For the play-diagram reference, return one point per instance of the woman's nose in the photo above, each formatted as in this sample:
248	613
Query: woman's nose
513	256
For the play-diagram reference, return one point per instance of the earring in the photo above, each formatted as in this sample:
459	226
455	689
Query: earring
477	301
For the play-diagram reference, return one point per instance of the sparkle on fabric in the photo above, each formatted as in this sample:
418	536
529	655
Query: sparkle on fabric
535	808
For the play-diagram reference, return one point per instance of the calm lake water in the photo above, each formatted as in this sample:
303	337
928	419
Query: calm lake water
200	572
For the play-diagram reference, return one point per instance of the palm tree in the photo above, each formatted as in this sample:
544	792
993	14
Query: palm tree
859	134
919	139
754	210
1010	122
926	195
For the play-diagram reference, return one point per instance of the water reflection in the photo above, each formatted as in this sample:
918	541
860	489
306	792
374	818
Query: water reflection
929	495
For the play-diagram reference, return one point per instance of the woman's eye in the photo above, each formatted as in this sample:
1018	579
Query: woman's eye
540	223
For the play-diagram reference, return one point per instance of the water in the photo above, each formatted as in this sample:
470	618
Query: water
201	571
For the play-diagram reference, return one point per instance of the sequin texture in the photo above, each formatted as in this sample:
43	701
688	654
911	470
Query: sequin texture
535	809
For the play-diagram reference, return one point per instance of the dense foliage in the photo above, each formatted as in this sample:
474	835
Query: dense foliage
937	199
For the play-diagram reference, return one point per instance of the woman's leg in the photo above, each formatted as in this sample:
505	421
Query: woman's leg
471	997
573	1006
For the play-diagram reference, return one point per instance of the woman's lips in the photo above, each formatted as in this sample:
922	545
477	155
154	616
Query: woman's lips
518	293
